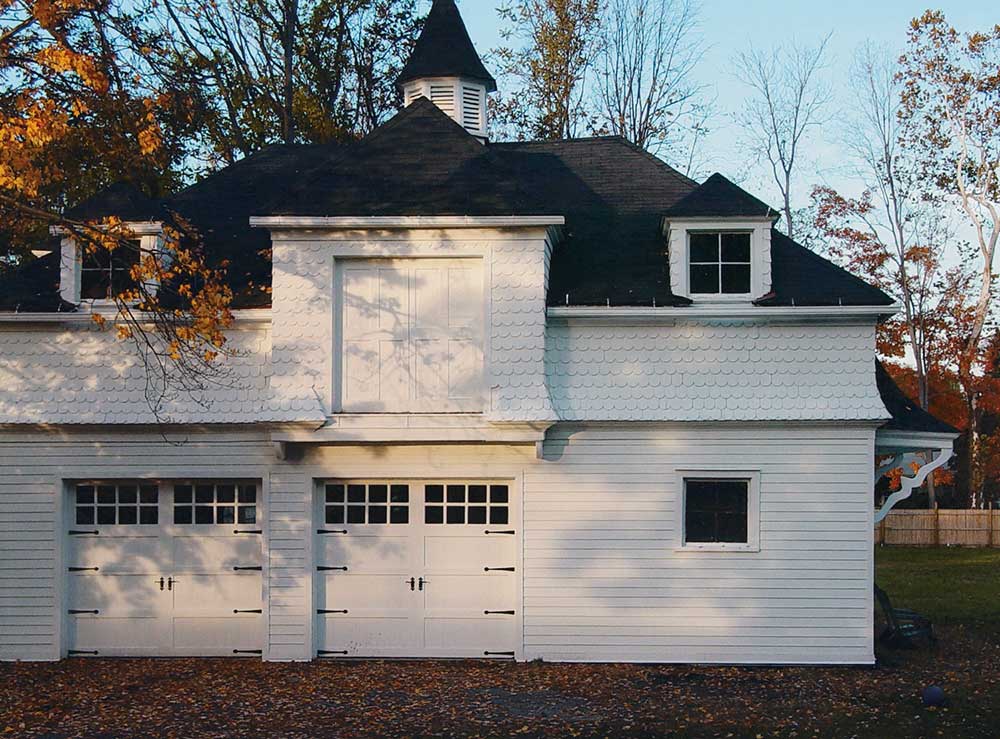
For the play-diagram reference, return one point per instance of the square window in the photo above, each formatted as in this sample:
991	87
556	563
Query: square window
499	494
248	494
84	494
204	494
183	515
183	494
434	494
378	514
498	514
247	514
456	493
477	493
399	514
378	493
735	279
355	493
128	515
226	493
128	494
106	515
456	514
204	514
716	511
477	514
225	514
334	514
735	248
355	514
400	494
334	493
719	263
705	279
85	516
106	494
149	515
704	248
149	494
434	514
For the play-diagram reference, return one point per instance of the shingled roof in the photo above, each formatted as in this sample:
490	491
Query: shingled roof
906	414
444	49
717	197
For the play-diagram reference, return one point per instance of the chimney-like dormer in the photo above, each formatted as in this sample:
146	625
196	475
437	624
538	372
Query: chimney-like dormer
445	69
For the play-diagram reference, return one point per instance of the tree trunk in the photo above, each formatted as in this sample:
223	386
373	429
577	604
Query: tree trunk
288	71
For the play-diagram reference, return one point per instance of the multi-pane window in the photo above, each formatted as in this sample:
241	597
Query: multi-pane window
105	274
121	504
367	503
720	263
466	504
215	503
716	511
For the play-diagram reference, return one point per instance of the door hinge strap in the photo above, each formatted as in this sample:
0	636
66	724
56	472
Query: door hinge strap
331	569
248	651
84	569
328	653
326	532
506	532
498	569
499	654
252	610
255	531
324	610
74	532
74	612
248	569
75	652
501	613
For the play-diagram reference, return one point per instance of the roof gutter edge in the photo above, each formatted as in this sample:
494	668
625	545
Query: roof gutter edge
363	222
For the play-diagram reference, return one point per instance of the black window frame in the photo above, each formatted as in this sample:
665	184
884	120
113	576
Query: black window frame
720	263
717	517
109	272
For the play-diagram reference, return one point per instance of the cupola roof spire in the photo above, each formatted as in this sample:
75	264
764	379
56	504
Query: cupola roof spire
444	49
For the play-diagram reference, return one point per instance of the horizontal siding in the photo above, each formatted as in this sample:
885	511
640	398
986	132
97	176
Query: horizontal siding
602	579
32	467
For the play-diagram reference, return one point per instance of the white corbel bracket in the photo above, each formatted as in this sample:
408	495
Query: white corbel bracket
909	484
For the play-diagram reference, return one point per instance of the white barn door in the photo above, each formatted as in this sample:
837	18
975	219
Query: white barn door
412	335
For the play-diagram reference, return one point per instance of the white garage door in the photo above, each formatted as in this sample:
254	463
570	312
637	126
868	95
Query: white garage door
416	569
412	334
164	569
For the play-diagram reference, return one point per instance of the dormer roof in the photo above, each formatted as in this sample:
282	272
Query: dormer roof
122	200
717	197
444	49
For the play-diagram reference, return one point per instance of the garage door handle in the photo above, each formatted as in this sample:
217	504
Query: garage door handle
248	569
498	613
327	532
498	569
420	584
508	533
74	532
252	610
73	612
255	531
84	569
331	569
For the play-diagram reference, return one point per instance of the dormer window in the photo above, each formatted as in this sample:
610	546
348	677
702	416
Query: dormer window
104	274
720	263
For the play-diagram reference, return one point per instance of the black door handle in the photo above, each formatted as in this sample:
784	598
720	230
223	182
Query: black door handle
170	583
413	583
421	582
162	582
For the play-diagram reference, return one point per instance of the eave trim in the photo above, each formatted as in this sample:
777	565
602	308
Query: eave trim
741	312
406	222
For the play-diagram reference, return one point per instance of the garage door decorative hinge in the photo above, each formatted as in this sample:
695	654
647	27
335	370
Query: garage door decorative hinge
251	610
500	613
329	653
499	654
248	569
74	612
498	569
74	532
255	531
84	569
331	569
327	532
248	651
79	652
324	610
506	532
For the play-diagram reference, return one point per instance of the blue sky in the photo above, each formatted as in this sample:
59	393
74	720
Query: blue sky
730	25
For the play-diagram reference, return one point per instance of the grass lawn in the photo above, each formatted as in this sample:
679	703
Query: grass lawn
196	699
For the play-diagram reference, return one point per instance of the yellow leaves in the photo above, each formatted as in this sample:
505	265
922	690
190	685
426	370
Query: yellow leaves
61	59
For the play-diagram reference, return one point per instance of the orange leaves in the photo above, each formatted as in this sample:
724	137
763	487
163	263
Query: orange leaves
60	59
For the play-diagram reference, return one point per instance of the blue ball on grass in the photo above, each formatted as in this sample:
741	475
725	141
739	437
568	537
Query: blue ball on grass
933	696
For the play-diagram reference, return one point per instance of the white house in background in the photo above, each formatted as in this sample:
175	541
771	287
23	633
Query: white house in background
542	400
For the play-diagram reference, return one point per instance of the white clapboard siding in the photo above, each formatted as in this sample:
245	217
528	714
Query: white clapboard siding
33	466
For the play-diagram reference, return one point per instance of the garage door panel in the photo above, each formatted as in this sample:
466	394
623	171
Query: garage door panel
468	637
375	636
469	553
385	554
216	594
115	595
119	636
358	592
117	554
194	554
207	636
477	592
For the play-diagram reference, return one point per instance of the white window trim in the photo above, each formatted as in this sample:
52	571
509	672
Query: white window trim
753	510
71	262
678	233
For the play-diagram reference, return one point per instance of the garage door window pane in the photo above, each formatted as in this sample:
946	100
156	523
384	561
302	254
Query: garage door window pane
214	504
111	504
377	503
247	514
473	504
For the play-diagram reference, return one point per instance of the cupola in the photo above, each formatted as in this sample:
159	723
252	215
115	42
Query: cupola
446	69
